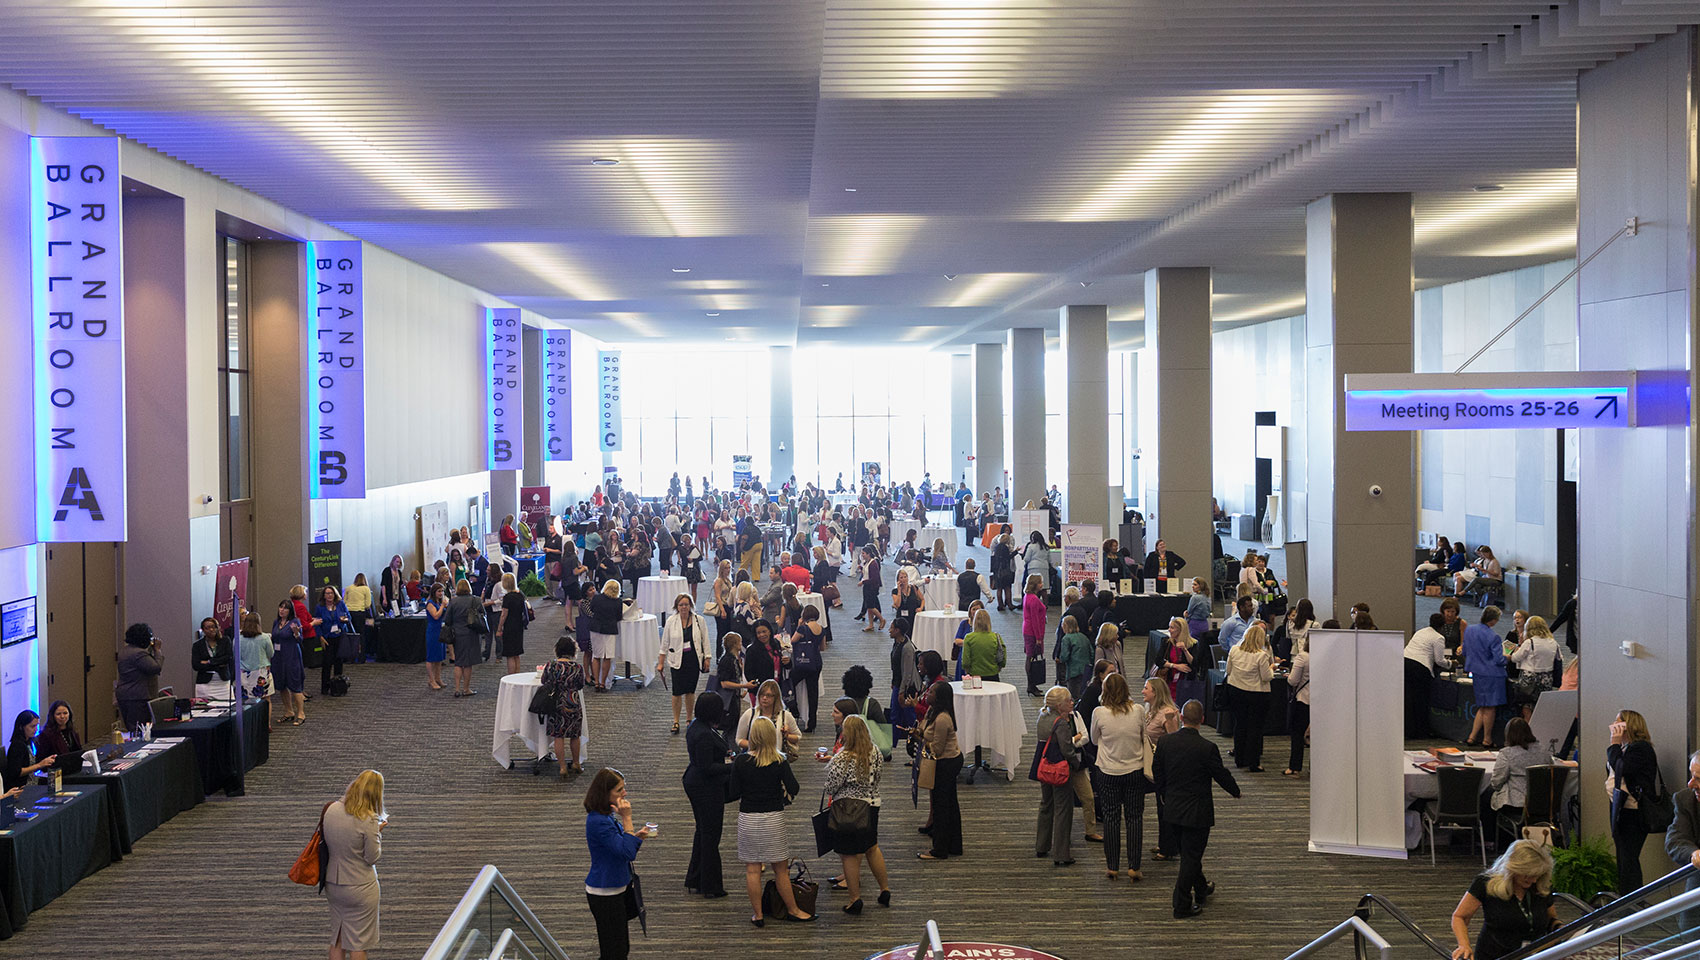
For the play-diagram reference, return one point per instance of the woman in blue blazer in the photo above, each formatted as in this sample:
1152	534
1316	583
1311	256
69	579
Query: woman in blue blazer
613	846
1484	657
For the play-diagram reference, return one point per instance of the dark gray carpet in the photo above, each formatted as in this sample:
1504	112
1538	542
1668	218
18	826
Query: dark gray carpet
212	882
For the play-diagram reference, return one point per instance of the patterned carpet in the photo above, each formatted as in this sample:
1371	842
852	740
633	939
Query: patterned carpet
212	881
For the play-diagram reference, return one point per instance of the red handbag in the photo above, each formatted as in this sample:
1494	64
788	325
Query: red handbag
1053	772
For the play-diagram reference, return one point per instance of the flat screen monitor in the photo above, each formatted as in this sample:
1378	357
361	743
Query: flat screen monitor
17	621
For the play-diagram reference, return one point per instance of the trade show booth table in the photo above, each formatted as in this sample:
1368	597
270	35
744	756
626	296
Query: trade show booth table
149	790
43	857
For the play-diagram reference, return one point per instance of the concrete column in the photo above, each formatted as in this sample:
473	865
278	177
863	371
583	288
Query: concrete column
1085	346
1358	310
988	416
1176	459
781	360
1635	490
504	498
531	390
277	301
961	417
1027	415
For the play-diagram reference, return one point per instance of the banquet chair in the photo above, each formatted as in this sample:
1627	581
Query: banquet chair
1542	802
1459	807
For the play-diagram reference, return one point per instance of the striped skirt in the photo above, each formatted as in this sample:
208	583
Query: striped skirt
761	837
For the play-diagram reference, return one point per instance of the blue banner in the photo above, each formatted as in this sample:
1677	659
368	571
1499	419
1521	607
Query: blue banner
557	394
336	345
504	403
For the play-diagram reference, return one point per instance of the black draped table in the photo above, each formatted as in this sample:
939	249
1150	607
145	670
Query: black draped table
1452	709
215	743
400	639
1274	724
148	792
42	858
1141	613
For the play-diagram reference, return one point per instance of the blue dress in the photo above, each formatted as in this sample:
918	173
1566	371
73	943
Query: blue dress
287	673
434	651
1485	659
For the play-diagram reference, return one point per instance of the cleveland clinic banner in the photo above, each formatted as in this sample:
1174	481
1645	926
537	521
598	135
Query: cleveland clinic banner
336	404
77	314
608	399
557	394
504	405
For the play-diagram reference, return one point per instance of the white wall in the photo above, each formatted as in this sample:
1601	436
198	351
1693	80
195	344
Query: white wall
23	666
1507	479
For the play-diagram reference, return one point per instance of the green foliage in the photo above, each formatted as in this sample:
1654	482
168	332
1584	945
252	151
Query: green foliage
531	586
1584	868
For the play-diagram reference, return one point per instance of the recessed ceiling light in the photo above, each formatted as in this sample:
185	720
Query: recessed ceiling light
1085	283
681	269
731	338
849	189
604	162
826	284
716	315
1487	187
950	276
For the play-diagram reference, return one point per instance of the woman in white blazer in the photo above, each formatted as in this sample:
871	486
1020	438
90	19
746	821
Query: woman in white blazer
685	643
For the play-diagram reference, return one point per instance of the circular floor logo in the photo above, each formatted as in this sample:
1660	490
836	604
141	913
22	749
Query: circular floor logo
970	951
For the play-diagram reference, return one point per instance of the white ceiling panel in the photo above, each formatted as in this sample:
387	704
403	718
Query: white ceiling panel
1039	152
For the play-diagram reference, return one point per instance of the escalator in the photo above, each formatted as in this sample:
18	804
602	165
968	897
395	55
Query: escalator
1660	921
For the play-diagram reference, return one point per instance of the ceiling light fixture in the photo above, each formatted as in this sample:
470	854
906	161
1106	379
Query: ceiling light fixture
681	269
604	162
1085	283
826	284
950	276
849	189
716	315
1487	187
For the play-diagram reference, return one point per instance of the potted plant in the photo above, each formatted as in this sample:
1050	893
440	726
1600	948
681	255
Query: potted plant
1584	868
532	587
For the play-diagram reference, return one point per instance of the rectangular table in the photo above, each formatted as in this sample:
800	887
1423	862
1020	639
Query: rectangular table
216	747
399	639
1452	710
1141	613
42	858
149	792
1275	722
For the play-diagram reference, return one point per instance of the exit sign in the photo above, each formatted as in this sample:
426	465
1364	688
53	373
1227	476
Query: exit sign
1490	401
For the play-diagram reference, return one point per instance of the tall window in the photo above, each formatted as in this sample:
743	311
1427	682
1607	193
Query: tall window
692	412
890	407
233	396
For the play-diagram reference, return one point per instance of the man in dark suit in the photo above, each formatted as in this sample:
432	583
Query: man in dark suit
1185	764
1682	838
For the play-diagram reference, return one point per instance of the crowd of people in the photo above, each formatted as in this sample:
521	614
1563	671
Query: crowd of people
746	664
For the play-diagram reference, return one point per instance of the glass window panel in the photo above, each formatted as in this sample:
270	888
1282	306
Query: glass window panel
760	440
695	441
871	442
1056	452
1114	447
805	434
907	461
836	455
870	386
730	438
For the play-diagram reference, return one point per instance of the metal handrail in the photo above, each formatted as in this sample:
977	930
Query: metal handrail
489	880
507	939
1623	905
1617	928
931	942
1351	925
1388	907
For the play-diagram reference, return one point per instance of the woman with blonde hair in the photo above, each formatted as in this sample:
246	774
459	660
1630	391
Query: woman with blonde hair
852	790
1536	658
1058	737
720	604
941	557
1118	728
1162	718
1179	658
1515	900
1633	765
1250	668
1109	646
762	783
606	609
353	829
770	704
510	626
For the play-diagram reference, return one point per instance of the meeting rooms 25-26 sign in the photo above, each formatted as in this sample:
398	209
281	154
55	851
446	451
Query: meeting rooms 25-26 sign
504	402
336	405
77	316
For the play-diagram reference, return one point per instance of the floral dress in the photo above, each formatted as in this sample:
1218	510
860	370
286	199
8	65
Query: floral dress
565	678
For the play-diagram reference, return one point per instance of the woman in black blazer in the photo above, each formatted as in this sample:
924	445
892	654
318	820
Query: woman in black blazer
1634	767
705	785
760	656
1162	562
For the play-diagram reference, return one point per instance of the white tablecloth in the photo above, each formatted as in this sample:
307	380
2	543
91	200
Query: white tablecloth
991	717
1421	784
656	594
940	591
900	532
805	600
513	695
948	534
639	644
936	630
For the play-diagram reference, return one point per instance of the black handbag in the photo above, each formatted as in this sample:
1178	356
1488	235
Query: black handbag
476	622
543	702
1657	810
634	903
823	830
847	815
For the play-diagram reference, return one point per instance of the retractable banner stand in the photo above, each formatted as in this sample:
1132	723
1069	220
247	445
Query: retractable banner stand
1027	521
741	468
76	271
1082	552
534	507
557	394
1357	784
230	595
336	404
504	406
324	568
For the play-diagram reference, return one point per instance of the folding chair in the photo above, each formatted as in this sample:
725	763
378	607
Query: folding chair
1459	807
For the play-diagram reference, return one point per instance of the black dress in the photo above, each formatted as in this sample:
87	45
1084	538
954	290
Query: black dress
689	672
1508	924
513	628
705	785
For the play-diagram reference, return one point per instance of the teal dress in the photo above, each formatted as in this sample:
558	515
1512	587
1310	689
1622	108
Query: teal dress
434	652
